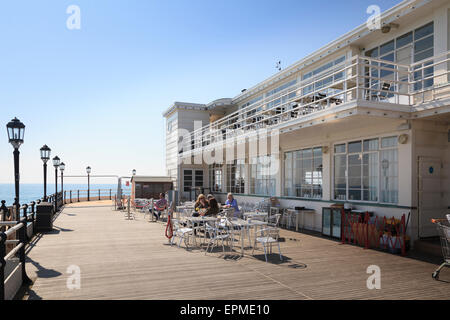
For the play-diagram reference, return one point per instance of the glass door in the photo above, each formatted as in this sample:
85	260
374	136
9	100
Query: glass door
404	57
326	221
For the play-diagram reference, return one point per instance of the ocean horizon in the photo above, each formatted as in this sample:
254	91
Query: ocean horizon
33	191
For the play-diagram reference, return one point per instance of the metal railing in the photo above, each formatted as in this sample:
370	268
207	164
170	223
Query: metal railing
71	196
357	78
17	227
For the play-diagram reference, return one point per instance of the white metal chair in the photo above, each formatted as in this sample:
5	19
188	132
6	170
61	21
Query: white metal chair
181	232
274	220
267	237
216	233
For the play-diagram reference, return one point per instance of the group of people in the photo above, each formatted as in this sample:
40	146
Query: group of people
208	206
204	206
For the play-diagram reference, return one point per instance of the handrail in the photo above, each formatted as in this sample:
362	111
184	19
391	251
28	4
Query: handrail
24	217
20	231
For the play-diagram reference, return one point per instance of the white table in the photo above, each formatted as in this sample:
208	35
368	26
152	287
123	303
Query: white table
193	220
257	215
245	225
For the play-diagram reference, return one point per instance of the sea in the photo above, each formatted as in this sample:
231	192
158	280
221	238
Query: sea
32	192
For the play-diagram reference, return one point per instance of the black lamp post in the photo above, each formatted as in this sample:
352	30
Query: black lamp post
45	156
16	131
134	172
88	171
62	167
56	163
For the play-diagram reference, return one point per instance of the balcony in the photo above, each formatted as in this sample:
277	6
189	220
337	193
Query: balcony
359	81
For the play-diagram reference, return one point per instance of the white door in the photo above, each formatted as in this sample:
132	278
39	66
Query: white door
431	197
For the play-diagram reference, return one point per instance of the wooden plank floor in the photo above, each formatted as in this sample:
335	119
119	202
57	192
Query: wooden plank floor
131	259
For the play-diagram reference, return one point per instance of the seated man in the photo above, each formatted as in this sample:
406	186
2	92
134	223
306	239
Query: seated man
160	206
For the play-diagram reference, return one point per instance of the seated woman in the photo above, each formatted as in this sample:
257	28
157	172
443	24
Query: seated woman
232	203
213	206
201	206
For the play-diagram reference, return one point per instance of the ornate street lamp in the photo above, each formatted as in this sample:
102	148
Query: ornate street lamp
56	163
45	156
134	172
62	167
16	131
88	171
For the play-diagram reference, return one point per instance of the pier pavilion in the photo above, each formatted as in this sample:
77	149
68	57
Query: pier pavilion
363	121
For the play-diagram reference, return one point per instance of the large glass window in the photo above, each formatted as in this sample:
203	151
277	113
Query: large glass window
262	176
236	176
303	173
215	178
357	167
321	72
411	47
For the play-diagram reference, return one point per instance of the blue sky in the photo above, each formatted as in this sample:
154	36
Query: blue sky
96	95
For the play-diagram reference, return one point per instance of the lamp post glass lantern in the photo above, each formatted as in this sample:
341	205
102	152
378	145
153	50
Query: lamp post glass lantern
62	167
45	156
134	172
16	132
88	171
56	163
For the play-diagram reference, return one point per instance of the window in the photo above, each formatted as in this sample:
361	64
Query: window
281	88
323	82
236	176
215	178
199	178
357	167
192	178
389	170
262	176
411	47
188	182
303	173
249	103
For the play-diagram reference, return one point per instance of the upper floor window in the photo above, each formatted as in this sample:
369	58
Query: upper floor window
249	103
281	88
411	47
324	67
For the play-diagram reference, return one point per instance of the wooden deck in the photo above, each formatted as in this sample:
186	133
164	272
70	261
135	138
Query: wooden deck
126	259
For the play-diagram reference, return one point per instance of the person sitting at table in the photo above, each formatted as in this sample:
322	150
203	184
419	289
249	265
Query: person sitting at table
201	206
160	206
232	203
213	206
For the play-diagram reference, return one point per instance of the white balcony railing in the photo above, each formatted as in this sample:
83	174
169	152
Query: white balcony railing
358	78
